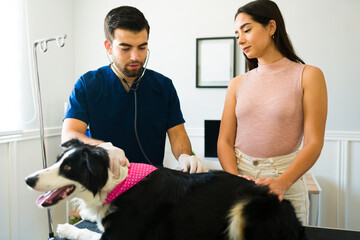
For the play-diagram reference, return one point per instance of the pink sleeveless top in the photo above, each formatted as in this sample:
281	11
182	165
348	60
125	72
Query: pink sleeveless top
269	110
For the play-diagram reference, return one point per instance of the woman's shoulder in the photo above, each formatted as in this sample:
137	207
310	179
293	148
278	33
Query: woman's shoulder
312	72
309	69
236	81
234	85
312	75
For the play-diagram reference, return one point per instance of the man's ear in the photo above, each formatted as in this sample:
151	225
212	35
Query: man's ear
107	45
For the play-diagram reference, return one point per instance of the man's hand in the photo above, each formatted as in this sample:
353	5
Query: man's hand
191	164
117	157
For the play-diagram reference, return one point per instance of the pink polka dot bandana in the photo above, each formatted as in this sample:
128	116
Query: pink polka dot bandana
137	171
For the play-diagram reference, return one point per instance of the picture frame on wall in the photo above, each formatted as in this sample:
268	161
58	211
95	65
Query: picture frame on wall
215	61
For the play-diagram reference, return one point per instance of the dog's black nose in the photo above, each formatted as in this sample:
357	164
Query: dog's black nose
31	181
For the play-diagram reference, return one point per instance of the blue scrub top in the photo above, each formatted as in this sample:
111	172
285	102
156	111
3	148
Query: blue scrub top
100	100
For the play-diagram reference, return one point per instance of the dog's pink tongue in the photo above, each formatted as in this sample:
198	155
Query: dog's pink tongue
52	197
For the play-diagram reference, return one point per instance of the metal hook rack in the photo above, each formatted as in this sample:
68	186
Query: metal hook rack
43	45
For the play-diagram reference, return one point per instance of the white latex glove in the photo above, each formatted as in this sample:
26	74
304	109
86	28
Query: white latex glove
191	164
117	157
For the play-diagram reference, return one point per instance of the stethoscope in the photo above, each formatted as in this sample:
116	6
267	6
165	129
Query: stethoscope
136	83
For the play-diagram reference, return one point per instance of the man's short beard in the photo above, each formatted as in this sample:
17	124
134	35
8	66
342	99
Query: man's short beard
129	73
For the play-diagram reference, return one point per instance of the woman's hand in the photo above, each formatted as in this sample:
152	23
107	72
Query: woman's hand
247	177
276	187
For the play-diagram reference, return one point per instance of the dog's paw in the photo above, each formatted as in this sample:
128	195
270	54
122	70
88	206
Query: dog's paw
66	230
71	232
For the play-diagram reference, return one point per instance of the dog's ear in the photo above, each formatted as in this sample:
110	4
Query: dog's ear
72	143
97	163
94	164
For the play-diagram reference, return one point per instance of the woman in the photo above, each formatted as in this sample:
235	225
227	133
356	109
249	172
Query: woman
272	108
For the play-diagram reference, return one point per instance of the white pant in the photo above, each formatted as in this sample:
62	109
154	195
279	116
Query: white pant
274	167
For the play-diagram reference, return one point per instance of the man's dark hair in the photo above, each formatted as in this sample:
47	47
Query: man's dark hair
126	18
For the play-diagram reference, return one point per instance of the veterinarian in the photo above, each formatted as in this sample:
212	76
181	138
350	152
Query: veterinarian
125	107
272	108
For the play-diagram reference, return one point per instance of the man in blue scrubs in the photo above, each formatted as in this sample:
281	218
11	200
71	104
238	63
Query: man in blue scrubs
124	103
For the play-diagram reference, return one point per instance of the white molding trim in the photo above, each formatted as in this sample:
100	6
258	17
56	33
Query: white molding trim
342	165
192	132
342	135
30	134
13	196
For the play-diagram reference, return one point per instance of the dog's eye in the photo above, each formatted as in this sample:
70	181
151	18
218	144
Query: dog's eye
67	168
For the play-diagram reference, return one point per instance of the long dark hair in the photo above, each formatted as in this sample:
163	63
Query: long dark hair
262	11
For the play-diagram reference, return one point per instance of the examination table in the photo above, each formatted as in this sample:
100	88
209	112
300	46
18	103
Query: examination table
313	233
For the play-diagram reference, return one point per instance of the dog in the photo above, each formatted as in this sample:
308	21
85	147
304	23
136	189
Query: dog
165	205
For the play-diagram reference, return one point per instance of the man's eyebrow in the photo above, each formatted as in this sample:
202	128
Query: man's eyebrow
129	45
125	44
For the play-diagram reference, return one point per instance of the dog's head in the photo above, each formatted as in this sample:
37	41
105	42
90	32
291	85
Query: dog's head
79	167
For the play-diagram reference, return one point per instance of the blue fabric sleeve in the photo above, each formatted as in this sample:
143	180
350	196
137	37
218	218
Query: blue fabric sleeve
77	107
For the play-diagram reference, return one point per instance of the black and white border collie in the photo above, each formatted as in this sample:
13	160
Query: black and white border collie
165	205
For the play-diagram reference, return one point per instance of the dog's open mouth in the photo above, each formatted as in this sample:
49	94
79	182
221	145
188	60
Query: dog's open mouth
53	197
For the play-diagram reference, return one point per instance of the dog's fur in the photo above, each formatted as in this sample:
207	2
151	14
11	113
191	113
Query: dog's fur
167	204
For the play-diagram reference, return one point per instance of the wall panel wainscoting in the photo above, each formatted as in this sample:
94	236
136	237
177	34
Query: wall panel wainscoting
21	155
337	173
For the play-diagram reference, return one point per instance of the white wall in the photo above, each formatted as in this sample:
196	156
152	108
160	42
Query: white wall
47	19
20	155
324	33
